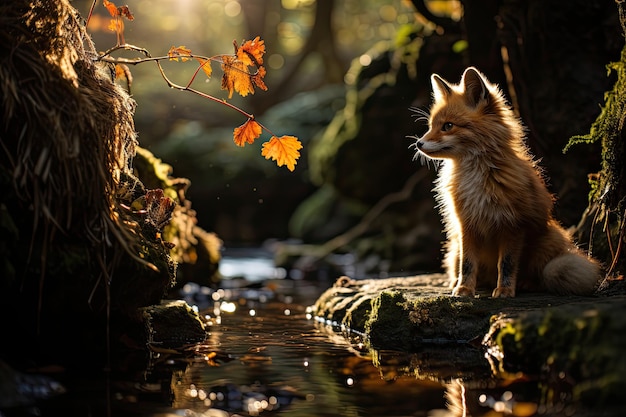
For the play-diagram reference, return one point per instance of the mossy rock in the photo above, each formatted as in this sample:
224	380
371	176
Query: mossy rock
577	339
172	324
419	308
580	344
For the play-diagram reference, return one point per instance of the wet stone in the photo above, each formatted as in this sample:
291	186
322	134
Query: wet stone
173	324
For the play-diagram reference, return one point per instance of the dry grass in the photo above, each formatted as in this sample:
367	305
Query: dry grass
67	132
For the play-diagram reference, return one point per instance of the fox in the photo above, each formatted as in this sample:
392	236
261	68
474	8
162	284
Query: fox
492	195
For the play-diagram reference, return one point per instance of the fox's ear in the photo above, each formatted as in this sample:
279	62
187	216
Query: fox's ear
441	88
475	86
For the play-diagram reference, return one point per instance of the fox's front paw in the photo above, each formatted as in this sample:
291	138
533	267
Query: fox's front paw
503	292
463	291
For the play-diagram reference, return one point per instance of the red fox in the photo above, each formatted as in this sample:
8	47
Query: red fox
496	209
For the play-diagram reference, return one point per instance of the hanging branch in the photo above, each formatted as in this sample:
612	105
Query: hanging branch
242	72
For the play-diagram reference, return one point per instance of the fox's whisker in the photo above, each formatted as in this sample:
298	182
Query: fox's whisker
420	114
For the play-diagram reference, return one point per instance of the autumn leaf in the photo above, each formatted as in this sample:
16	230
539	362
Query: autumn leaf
237	74
114	11
206	66
111	7
283	150
185	55
125	11
258	78
117	24
236	77
251	52
247	132
179	52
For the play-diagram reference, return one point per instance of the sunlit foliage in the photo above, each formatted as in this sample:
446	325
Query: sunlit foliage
242	72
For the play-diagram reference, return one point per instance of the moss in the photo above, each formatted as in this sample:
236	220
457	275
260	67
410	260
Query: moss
388	323
455	319
154	173
358	313
580	345
607	197
190	244
396	323
173	324
575	344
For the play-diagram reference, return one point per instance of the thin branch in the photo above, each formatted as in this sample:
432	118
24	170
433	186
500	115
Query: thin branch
367	220
106	57
93	4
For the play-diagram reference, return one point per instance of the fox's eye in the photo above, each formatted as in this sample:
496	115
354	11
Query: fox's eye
446	126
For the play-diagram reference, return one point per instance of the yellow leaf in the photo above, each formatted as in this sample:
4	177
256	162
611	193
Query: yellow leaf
116	25
111	7
257	79
251	52
206	66
179	52
247	132
243	71
236	77
283	150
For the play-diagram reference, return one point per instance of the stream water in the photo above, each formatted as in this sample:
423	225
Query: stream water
266	356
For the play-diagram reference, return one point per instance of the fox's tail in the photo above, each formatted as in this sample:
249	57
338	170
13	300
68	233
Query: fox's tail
571	273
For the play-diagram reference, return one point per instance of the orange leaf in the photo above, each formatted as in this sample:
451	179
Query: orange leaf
111	7
251	52
185	55
115	11
206	66
125	11
181	52
236	77
117	25
257	78
247	132
283	150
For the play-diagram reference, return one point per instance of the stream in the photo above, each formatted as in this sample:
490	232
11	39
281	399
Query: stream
265	355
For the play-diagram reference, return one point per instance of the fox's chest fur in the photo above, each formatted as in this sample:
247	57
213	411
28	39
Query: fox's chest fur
487	200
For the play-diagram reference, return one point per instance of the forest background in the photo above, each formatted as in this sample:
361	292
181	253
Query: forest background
342	76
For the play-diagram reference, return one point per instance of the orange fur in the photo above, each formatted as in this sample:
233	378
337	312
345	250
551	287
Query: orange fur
496	209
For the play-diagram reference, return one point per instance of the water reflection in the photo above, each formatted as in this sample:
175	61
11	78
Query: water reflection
279	362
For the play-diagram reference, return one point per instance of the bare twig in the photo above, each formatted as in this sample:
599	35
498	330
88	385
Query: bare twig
93	4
